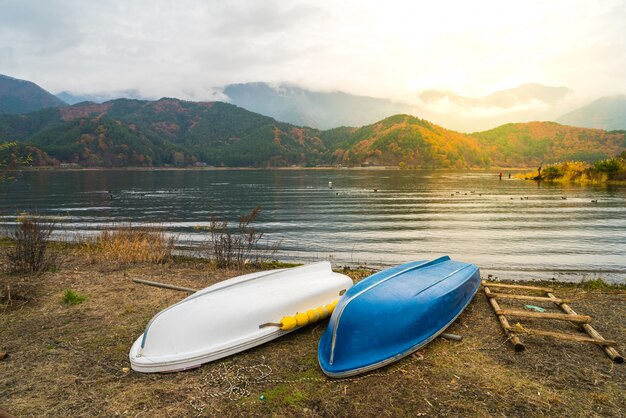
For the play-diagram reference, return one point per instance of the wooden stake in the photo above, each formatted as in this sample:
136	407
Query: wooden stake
562	336
517	343
516	286
165	286
610	351
525	297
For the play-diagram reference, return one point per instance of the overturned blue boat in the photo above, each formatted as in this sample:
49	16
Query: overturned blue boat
394	312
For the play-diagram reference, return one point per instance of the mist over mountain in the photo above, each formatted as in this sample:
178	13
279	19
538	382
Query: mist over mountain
525	103
72	99
607	112
325	110
322	110
21	96
503	99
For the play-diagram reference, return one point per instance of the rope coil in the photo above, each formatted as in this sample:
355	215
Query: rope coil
237	382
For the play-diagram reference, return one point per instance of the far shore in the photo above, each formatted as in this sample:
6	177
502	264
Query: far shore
505	170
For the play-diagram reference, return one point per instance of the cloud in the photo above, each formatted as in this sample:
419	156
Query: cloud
385	49
38	28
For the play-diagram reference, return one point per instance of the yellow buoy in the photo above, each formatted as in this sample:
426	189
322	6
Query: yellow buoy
302	319
287	323
310	316
322	312
313	315
331	306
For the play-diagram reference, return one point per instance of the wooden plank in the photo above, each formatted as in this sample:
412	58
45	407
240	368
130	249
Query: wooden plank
525	297
516	286
545	315
517	343
165	286
610	351
453	337
562	336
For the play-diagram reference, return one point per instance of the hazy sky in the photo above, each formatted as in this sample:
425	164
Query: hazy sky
388	48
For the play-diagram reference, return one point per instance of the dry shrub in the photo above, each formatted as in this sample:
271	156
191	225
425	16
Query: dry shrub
128	245
241	246
30	237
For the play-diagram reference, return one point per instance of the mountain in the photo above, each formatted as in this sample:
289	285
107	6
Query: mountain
322	110
21	96
607	112
167	131
535	143
326	110
409	141
406	141
527	102
127	132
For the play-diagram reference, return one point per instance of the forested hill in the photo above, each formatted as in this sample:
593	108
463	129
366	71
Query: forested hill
406	141
411	142
534	143
22	96
126	132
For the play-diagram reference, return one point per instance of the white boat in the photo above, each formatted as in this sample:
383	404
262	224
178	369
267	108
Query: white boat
235	315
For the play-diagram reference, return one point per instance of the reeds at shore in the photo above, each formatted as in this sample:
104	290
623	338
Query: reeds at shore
129	244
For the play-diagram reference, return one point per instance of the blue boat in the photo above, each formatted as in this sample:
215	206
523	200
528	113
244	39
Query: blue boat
392	313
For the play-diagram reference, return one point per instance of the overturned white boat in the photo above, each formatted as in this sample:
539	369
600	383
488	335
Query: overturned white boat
235	315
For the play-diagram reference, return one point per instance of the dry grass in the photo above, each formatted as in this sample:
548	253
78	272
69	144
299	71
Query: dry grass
128	245
18	290
69	360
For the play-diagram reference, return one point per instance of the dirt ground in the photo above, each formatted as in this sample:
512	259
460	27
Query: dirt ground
72	360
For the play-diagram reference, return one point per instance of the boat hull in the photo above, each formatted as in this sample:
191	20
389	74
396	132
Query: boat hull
232	316
392	313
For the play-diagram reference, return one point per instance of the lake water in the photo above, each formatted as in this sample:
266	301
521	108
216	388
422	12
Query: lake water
512	229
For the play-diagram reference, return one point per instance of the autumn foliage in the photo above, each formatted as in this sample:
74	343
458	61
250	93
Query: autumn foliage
609	169
172	132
